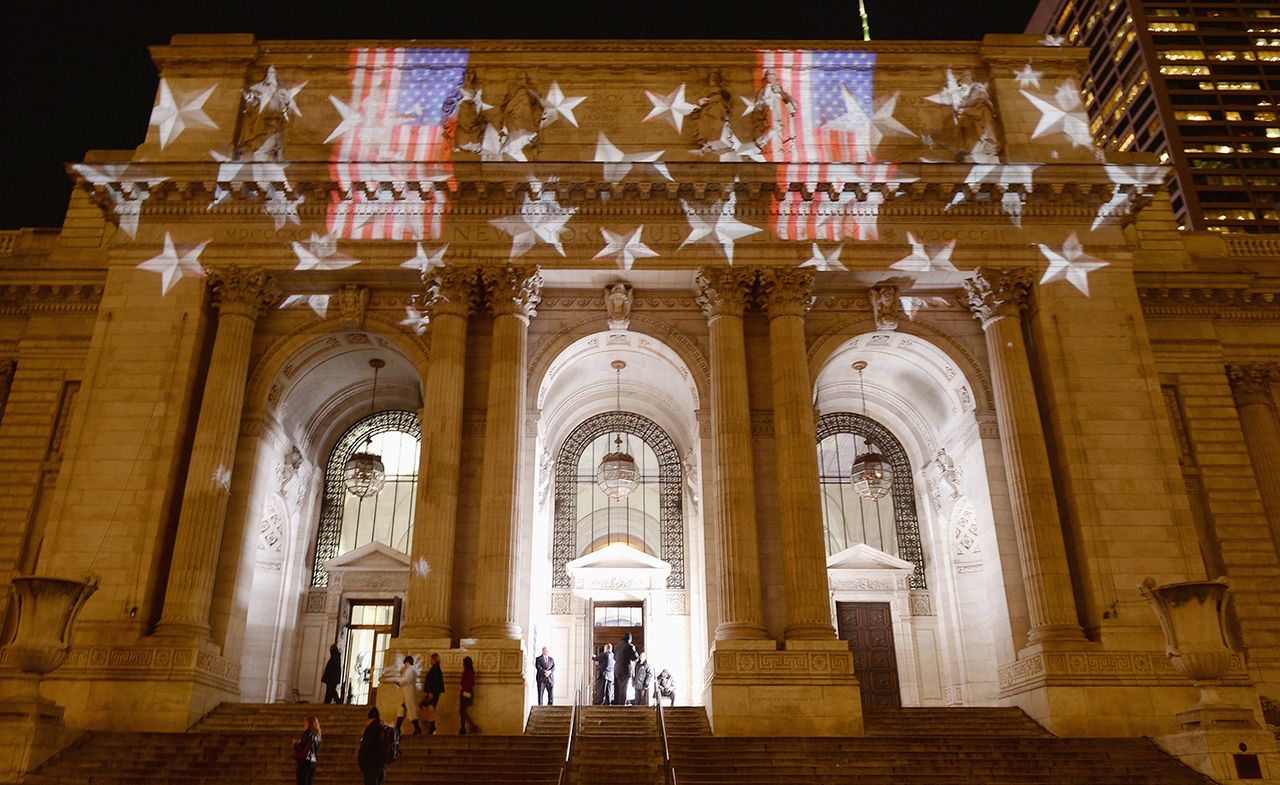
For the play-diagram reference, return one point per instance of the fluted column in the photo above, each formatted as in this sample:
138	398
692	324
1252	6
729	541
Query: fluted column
786	298
239	295
450	295
512	293
997	297
723	297
1252	386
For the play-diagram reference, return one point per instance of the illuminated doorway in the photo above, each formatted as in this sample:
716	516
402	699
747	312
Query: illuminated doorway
372	626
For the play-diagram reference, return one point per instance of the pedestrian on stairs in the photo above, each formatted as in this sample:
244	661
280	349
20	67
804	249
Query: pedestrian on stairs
332	675
604	674
409	696
372	756
432	689
643	680
666	686
467	696
546	676
305	749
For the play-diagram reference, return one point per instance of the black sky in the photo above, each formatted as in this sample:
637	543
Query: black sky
77	75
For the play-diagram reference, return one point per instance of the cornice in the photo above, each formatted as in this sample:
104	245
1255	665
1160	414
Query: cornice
1226	300
56	298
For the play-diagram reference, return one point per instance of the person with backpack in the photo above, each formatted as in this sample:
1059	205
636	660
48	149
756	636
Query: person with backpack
305	749
379	746
466	696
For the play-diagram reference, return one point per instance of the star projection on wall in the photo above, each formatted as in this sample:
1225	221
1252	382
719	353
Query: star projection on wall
281	208
617	164
415	320
911	305
624	248
174	264
1006	177
420	567
319	303
1071	264
121	182
425	262
868	128
1027	77
828	262
321	254
175	112
541	219
923	260
672	106
373	124
716	225
556	105
1127	182
1065	114
222	478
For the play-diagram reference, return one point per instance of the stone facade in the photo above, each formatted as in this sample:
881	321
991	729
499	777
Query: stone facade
1080	395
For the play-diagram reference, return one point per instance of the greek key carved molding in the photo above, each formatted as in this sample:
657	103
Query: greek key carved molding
782	667
1104	667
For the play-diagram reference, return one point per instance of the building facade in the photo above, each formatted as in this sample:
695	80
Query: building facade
1198	84
746	265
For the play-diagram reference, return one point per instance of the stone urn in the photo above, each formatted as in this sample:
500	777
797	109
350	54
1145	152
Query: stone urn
1192	616
47	612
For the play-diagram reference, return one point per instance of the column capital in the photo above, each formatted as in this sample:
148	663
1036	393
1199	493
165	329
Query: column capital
512	289
996	292
786	292
1251	382
724	291
244	290
451	291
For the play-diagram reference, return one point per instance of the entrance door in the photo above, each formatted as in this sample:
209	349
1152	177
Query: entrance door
609	622
868	627
368	635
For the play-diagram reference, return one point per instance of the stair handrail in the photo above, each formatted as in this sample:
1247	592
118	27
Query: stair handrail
668	769
563	779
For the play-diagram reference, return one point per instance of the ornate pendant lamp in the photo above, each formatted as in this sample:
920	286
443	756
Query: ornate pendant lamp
364	474
871	475
618	475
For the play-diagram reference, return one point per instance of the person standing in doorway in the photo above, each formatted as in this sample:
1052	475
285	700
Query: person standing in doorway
643	680
409	695
546	676
332	675
432	689
466	697
305	751
604	674
625	657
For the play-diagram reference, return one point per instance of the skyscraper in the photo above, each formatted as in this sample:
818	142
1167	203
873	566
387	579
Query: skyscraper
1197	83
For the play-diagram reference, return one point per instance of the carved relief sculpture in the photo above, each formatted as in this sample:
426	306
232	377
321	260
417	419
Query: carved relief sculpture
711	132
617	306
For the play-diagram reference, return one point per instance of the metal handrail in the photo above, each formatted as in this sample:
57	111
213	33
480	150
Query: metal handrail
563	779
668	770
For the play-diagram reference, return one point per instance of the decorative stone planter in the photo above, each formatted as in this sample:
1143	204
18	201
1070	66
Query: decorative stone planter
47	611
1191	614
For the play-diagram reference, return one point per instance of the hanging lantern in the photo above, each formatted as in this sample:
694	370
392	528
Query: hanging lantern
364	473
618	475
871	475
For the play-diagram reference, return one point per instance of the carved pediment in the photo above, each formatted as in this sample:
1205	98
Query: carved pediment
618	566
374	557
865	557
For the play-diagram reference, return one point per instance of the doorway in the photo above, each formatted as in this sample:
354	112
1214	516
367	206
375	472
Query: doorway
868	627
609	622
372	626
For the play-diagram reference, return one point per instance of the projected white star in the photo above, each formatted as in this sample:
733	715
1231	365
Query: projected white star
1071	264
617	164
912	305
625	248
923	260
828	262
1006	176
415	320
716	225
316	302
1064	115
320	254
556	106
868	129
374	123
496	147
1028	77
175	112
672	106
1053	40
281	208
424	262
1123	179
542	219
222	478
174	264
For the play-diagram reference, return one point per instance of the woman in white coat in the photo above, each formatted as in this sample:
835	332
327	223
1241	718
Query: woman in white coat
409	690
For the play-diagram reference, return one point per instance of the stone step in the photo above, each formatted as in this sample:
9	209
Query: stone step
975	721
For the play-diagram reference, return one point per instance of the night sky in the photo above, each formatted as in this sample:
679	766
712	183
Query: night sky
77	76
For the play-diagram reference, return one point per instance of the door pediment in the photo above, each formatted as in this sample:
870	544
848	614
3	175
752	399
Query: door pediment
368	558
618	566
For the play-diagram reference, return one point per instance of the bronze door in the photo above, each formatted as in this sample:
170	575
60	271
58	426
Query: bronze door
868	627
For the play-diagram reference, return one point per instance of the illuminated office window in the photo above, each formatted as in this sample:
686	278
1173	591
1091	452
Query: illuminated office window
1180	54
1184	70
1170	27
1230	86
1195	117
1230	215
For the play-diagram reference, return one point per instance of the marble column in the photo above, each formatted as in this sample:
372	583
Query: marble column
512	293
997	297
724	293
450	296
239	295
786	298
1252	386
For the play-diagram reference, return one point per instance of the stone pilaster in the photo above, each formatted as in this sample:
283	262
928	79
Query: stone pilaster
239	294
1251	386
723	296
511	293
451	294
786	297
997	297
6	381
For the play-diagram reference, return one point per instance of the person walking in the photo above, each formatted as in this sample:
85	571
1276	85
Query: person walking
372	756
409	696
432	689
466	696
604	675
305	751
666	685
625	656
332	675
545	667
642	680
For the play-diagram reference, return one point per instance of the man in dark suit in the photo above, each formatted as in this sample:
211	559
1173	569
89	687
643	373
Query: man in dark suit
624	670
546	676
604	675
373	753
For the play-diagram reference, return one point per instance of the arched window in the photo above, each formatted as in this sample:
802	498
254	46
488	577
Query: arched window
348	522
648	520
890	524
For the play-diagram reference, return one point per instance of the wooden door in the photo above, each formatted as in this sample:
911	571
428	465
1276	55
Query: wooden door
868	627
